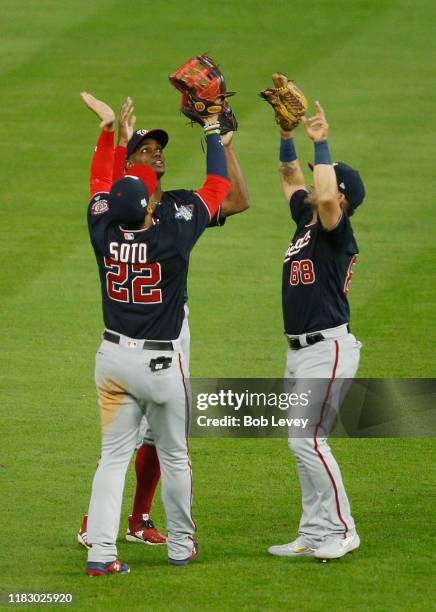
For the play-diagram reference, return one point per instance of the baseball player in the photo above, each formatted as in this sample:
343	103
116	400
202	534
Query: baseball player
141	147
143	264
317	269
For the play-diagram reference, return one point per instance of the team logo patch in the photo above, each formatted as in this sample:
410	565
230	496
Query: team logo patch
184	211
99	207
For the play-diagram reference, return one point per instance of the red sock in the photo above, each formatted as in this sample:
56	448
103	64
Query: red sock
147	476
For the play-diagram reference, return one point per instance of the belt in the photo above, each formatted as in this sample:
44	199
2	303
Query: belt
148	345
309	339
295	344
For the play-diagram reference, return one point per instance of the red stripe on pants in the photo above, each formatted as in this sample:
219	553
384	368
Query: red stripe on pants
187	429
315	441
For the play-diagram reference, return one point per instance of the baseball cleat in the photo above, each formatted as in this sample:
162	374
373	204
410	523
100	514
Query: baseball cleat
141	529
294	549
82	536
192	557
335	548
106	569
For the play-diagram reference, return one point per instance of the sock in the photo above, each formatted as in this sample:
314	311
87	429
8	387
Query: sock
147	477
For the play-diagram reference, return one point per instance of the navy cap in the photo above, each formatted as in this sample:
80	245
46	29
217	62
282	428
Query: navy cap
160	135
128	197
349	183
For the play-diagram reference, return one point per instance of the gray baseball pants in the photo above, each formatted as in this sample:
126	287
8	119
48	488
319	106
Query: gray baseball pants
327	369
145	435
128	388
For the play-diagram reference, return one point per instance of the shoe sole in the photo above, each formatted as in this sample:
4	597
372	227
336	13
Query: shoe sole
98	574
290	553
292	556
130	538
326	559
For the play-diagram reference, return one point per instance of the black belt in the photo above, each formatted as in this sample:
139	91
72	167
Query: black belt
148	345
295	344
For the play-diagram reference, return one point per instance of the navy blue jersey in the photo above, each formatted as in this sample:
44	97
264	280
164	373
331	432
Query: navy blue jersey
143	272
171	196
165	203
316	272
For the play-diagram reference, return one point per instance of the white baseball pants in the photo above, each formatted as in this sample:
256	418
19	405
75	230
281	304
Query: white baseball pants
326	367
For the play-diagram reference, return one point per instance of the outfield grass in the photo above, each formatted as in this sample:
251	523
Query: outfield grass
371	63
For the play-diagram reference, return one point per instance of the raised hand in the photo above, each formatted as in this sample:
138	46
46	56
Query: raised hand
101	109
227	138
316	127
126	122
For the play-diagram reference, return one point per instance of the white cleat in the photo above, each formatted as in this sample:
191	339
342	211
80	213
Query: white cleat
294	549
335	548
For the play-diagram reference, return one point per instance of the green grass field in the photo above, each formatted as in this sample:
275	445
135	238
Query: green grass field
371	63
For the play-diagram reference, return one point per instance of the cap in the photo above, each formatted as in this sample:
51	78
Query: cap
160	135
128	197
349	183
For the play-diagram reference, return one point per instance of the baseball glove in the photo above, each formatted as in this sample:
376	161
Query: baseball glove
203	84
227	118
288	102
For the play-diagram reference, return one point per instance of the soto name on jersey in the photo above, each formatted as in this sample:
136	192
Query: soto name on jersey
123	252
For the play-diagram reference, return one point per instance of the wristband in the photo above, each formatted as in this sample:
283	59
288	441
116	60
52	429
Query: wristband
287	150
215	156
214	131
322	153
212	127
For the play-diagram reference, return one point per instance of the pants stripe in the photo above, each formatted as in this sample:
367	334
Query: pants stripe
187	413
315	441
187	419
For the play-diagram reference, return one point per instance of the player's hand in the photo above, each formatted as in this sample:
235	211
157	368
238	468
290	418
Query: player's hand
126	122
101	109
316	127
226	139
286	134
210	120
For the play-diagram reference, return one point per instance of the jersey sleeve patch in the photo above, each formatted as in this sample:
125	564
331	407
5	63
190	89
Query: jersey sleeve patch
98	220
99	206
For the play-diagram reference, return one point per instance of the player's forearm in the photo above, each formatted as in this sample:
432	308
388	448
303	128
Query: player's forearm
290	168
324	177
217	185
238	199
102	163
119	162
326	186
291	175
